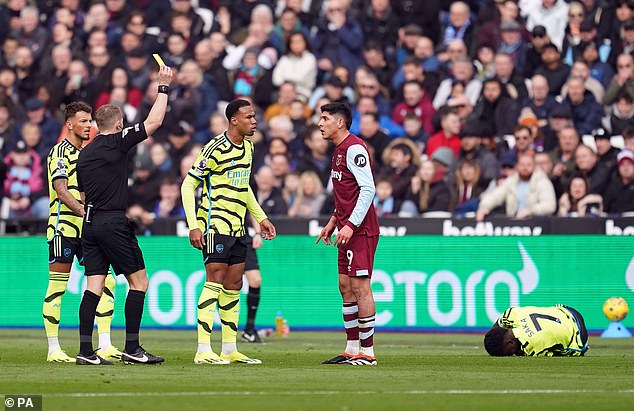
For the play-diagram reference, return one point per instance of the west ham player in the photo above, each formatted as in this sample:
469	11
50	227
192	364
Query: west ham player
356	220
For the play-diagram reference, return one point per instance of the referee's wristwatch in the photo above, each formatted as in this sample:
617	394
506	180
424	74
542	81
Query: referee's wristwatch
162	88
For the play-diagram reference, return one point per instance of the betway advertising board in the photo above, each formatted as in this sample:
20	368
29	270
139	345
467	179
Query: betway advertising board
419	282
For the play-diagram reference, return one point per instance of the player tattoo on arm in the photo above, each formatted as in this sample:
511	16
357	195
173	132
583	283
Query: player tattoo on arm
60	185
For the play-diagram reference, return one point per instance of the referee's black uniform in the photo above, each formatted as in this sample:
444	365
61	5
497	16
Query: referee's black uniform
108	237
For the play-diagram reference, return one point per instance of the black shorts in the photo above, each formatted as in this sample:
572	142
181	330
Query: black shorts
220	248
252	257
63	249
109	240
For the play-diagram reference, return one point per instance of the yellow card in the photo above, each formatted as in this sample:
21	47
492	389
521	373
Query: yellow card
158	59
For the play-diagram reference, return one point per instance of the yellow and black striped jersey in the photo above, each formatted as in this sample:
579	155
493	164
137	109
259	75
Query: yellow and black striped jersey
544	331
225	170
62	163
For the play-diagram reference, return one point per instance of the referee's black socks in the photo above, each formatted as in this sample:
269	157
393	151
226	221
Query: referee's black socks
133	313
87	310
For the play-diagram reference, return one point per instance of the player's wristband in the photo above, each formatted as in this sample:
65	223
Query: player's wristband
163	89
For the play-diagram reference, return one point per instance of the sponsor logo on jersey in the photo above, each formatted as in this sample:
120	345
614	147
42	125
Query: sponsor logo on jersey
360	160
336	175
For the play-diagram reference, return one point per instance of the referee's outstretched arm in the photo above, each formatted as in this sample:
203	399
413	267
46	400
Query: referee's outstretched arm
157	113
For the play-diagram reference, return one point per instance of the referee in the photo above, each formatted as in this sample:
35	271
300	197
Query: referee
108	237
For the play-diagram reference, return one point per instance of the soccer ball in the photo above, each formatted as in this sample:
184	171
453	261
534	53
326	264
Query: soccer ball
615	308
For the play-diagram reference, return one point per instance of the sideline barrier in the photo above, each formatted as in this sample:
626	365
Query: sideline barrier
420	282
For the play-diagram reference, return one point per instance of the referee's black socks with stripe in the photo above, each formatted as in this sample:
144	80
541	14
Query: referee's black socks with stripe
87	310
133	313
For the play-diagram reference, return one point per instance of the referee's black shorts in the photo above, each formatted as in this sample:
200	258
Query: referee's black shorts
252	257
109	240
220	248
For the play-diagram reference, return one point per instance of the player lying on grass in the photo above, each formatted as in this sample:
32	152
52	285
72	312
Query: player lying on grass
538	331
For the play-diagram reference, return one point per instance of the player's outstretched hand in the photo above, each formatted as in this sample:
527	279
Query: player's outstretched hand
326	234
343	237
196	238
268	229
165	76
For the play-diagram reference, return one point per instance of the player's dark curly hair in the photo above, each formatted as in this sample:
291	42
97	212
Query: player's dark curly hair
341	109
234	107
494	341
75	107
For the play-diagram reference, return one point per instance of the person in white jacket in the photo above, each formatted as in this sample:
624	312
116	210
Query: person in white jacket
298	65
552	14
526	193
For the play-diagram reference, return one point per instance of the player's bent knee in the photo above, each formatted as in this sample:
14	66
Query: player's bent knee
254	278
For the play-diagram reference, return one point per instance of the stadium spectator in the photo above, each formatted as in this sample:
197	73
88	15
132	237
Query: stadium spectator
580	69
623	80
621	114
511	79
401	158
539	38
448	135
310	196
316	158
415	69
524	194
619	195
586	112
551	67
380	25
462	70
366	105
297	65
467	188
606	152
384	200
119	78
588	166
460	25
31	135
286	95
496	109
599	70
512	42
414	131
268	194
427	191
564	155
553	16
415	101
338	39
471	148
374	58
577	201
169	203
24	183
49	125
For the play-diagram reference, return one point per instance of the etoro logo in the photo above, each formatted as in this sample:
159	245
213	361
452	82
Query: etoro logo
478	289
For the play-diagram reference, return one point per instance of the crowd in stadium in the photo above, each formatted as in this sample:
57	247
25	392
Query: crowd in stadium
521	108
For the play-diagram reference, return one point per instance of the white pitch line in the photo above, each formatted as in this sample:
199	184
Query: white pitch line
322	393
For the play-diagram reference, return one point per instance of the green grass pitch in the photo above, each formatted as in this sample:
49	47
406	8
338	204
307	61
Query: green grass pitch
415	372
